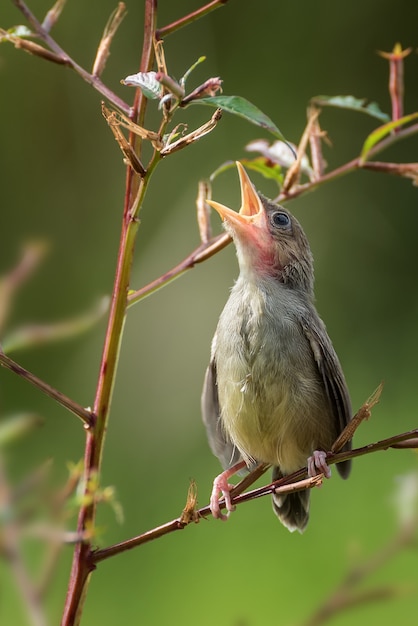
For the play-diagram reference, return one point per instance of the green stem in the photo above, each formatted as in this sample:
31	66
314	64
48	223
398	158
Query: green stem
82	565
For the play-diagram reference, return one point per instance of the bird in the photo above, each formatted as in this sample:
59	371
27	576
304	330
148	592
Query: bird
274	391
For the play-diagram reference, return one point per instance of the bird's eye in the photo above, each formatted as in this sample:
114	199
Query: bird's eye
280	219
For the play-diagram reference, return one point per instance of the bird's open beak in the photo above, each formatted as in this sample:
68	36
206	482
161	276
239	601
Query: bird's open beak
251	205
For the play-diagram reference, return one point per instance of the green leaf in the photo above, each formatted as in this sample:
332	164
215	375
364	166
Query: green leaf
266	168
243	108
381	132
147	83
190	70
352	103
16	31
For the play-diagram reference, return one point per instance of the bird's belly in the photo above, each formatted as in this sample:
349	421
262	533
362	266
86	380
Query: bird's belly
273	413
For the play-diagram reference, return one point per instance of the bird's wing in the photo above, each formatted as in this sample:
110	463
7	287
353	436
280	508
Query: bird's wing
219	442
332	376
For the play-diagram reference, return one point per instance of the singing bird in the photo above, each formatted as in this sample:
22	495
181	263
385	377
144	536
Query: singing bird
274	391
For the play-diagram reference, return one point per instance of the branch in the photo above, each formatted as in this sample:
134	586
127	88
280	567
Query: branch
134	194
294	482
200	254
62	57
84	414
188	19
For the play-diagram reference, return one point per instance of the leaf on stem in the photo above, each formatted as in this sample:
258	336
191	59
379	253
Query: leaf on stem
353	104
117	118
103	51
243	108
147	82
197	134
53	15
16	31
381	132
265	167
190	70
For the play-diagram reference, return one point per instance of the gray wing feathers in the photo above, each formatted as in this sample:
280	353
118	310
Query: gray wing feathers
220	444
333	378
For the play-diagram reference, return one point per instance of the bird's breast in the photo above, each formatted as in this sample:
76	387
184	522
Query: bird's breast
270	395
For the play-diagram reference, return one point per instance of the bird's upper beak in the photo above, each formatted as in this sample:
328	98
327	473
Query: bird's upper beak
251	206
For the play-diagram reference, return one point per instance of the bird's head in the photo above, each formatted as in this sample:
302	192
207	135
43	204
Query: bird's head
270	242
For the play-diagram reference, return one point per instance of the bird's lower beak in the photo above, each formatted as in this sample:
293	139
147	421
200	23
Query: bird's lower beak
251	205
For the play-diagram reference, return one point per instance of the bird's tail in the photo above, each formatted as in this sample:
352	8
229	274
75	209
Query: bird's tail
292	509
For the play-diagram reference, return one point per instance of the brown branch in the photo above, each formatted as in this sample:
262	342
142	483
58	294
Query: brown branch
396	78
188	19
350	166
200	254
135	189
84	414
60	56
287	482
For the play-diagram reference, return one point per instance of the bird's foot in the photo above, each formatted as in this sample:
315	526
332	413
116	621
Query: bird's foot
317	464
221	486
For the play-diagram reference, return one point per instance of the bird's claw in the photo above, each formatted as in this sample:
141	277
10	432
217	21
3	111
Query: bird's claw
221	485
317	464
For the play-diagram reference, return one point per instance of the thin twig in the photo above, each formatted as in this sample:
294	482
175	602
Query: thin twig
350	166
94	81
188	19
84	414
291	480
200	254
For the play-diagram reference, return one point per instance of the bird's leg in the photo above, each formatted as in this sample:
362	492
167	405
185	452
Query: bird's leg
317	464
221	485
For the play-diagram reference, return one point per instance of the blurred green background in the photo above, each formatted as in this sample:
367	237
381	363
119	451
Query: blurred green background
62	180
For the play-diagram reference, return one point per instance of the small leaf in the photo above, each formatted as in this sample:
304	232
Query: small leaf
243	108
20	31
190	70
352	103
281	153
266	168
147	83
381	132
